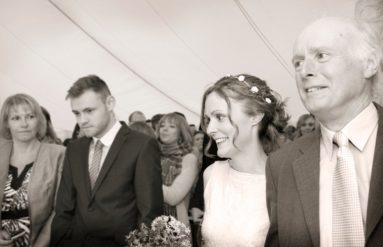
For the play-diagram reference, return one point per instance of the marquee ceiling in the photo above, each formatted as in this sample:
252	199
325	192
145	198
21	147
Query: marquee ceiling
157	56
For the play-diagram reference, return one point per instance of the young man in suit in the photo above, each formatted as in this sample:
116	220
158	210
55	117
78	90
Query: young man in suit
335	60
111	180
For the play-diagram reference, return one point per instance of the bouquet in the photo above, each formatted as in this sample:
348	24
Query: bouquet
164	231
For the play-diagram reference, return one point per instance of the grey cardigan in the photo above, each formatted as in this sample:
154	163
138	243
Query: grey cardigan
42	187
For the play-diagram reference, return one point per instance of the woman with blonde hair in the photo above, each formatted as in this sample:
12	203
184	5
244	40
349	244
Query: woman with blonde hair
179	165
306	124
29	174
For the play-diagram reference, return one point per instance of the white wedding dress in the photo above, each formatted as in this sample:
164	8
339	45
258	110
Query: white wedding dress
235	208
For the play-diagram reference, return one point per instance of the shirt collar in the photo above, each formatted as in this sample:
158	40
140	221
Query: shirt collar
109	136
358	130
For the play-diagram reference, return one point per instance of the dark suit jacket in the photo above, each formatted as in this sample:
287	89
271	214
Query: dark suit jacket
128	191
293	193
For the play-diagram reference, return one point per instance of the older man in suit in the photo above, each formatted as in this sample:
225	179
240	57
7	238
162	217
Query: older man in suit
322	192
111	180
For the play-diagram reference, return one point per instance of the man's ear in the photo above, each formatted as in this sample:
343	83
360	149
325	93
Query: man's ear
257	118
371	66
110	102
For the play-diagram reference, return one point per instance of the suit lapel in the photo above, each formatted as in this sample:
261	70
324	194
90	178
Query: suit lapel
306	172
375	197
5	154
111	156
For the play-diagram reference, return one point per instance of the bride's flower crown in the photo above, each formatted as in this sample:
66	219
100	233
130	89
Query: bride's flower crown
254	89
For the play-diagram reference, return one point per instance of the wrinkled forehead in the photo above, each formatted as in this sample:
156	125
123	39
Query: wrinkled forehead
324	33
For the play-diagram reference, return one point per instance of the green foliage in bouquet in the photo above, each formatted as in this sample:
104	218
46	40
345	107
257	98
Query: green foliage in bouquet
165	231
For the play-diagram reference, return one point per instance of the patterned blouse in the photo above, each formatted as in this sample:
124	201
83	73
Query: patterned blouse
15	218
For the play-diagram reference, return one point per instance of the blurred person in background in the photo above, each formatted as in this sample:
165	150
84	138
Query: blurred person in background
198	144
143	128
179	165
306	124
371	11
137	116
155	120
290	132
50	136
193	129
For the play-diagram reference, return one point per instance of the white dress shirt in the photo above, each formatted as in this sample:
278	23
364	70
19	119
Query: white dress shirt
361	132
106	140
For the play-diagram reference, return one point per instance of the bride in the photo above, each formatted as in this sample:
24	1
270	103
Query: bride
244	117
